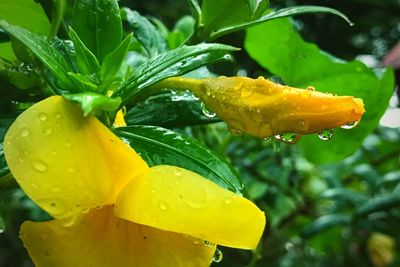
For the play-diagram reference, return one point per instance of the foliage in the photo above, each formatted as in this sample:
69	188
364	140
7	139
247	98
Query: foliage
108	59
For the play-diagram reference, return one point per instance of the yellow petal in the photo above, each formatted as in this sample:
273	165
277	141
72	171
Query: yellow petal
263	108
99	239
67	163
178	200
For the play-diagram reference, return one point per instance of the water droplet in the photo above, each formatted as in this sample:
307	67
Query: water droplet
163	206
168	190
288	138
350	125
56	190
178	173
40	166
58	115
42	116
206	111
24	132
310	88
302	125
217	256
246	92
234	131
228	200
52	204
325	135
278	137
208	244
47	131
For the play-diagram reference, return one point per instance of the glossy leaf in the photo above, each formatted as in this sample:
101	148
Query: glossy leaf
280	13
113	61
59	8
98	24
92	102
325	222
380	203
183	30
26	14
158	146
253	5
145	32
168	110
172	63
50	56
217	15
87	62
279	48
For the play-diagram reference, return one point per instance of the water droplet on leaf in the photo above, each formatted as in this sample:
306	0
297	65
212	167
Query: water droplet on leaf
42	116
24	132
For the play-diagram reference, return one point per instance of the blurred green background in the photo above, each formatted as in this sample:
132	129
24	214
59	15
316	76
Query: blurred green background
340	214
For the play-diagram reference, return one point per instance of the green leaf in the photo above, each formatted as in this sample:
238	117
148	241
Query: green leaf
253	5
83	81
113	61
168	110
3	164
379	203
158	146
92	102
6	51
145	32
278	47
217	15
4	124
58	10
172	63
27	14
98	24
281	13
50	56
182	32
325	222
87	62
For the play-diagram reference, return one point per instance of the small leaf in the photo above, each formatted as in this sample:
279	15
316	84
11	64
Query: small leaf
158	146
113	61
83	81
344	194
145	32
379	203
92	102
168	110
3	164
87	62
281	13
325	222
98	24
172	63
50	56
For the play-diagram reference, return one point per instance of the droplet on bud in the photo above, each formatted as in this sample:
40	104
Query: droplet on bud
208	113
325	135
350	125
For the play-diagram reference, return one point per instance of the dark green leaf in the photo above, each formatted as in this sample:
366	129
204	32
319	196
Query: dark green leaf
148	35
172	63
83	81
6	51
87	62
168	110
113	61
281	13
344	194
221	14
27	14
4	124
92	102
379	203
280	49
158	146
3	164
58	10
325	222
98	24
50	56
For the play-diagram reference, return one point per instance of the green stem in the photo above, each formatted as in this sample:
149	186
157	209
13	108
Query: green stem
256	254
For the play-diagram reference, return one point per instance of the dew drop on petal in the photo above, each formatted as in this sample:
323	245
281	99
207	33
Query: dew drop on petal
42	116
325	135
206	111
39	166
350	125
208	244
163	206
228	200
24	132
217	256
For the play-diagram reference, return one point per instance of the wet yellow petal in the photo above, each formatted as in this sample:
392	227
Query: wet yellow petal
67	163
99	239
178	200
263	108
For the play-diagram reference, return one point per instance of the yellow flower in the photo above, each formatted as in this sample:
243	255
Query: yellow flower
263	108
109	207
